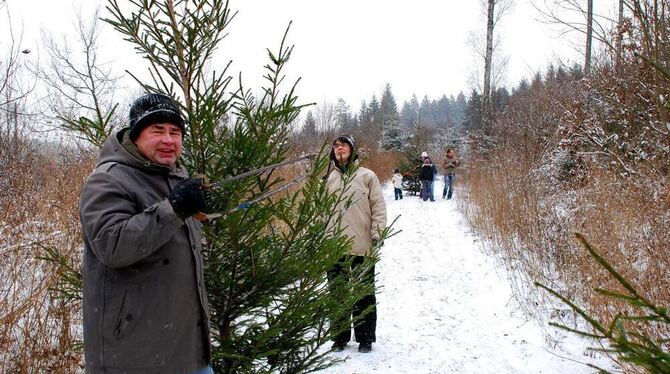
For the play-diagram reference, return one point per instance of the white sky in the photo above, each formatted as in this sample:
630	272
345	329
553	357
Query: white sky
345	48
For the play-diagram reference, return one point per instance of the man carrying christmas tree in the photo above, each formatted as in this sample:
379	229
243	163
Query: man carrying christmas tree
145	306
363	222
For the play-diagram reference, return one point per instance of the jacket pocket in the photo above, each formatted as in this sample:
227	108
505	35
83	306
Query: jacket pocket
127	315
119	325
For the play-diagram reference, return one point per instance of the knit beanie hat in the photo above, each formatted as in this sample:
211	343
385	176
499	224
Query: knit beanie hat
424	154
153	108
345	138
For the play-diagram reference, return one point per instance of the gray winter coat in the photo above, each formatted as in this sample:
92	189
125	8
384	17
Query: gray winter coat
145	305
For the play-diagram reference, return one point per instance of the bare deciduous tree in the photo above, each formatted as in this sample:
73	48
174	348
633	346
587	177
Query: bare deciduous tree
15	87
619	35
589	37
14	84
82	89
326	119
488	56
495	9
578	16
498	67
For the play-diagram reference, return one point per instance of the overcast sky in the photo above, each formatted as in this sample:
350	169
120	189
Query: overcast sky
344	48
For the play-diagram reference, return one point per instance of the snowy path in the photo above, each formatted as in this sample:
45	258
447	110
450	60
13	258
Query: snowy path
444	307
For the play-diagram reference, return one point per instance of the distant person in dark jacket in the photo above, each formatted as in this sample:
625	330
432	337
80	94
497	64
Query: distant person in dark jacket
449	165
427	176
145	306
424	156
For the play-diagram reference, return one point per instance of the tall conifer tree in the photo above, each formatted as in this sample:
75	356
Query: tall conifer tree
343	117
266	261
309	132
392	137
371	129
473	111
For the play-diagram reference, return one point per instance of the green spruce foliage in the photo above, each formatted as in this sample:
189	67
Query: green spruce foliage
626	335
473	112
410	168
266	262
392	135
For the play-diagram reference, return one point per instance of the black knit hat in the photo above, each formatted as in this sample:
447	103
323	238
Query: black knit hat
346	138
153	108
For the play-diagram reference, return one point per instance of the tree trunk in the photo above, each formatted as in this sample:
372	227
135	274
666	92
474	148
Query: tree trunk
619	37
488	63
589	37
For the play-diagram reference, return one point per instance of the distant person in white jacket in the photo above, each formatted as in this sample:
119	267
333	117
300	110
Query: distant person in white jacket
397	184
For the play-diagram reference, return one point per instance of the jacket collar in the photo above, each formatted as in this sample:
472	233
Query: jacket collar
350	167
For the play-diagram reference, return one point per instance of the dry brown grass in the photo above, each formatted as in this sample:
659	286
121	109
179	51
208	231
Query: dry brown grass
628	223
504	208
531	227
381	162
38	331
578	155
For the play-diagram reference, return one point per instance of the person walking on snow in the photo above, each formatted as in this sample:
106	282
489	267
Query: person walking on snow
449	165
362	221
397	184
424	156
426	177
145	306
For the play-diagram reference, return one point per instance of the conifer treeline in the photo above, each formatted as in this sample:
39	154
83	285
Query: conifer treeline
380	123
384	125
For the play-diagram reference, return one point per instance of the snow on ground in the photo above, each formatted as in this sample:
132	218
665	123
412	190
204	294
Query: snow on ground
445	307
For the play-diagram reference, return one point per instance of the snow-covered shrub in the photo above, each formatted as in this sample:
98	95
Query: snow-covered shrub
583	154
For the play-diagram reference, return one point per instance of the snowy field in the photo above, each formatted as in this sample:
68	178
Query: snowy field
444	306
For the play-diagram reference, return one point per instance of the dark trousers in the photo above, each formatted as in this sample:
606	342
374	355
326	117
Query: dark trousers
427	190
398	193
365	328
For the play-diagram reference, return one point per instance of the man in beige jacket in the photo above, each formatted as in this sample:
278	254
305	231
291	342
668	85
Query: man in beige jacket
362	221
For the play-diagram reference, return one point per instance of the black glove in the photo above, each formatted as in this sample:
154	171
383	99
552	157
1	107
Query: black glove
188	198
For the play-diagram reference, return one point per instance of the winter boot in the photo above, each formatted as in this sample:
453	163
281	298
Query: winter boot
365	347
338	346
